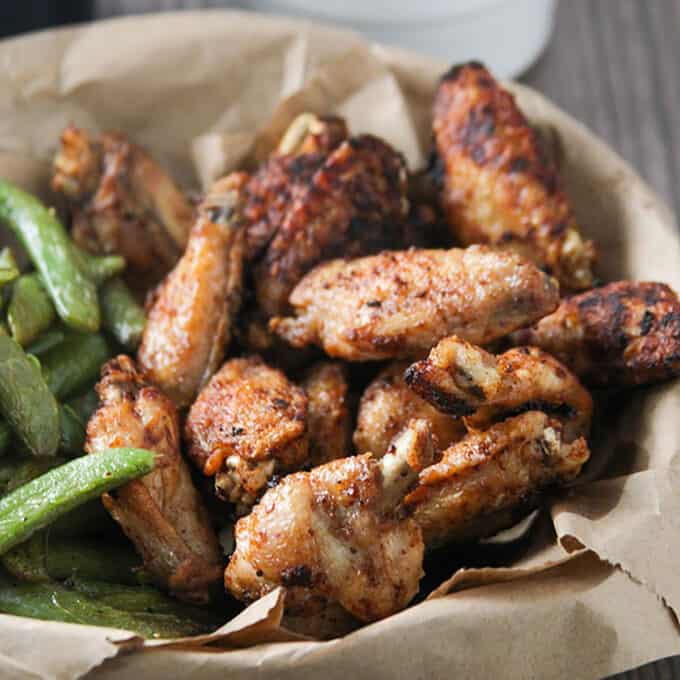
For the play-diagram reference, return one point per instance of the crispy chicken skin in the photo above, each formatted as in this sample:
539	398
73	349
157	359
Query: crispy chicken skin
399	304
122	201
464	380
190	320
461	497
337	535
386	407
354	204
328	416
625	333
248	424
161	513
497	186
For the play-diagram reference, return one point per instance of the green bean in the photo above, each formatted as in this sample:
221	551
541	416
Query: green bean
74	364
30	309
85	405
9	270
121	315
26	401
98	268
5	436
28	561
43	236
44	499
47	340
72	432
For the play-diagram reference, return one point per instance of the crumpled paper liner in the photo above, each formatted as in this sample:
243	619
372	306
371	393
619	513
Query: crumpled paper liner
210	91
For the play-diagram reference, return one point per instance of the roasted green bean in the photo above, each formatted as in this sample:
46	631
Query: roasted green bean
72	432
9	270
122	316
28	560
84	405
30	310
50	338
98	268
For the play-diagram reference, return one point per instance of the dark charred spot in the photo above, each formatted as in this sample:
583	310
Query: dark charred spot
647	322
453	73
374	303
558	229
259	573
518	164
435	169
273	481
236	431
280	403
220	214
479	126
550	183
559	410
300	575
670	318
650	295
589	301
506	237
439	399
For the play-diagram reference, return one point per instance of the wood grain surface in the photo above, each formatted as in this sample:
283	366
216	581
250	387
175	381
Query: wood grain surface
615	66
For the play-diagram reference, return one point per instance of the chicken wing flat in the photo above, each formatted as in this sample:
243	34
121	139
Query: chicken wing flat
248	424
161	513
190	321
497	184
387	405
625	333
336	535
328	417
461	497
464	380
400	304
122	201
355	204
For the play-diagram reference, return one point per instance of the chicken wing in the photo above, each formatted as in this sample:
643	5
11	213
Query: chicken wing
399	304
497	186
309	134
161	513
464	380
190	321
388	404
122	201
480	478
625	333
354	204
337	535
328	417
248	425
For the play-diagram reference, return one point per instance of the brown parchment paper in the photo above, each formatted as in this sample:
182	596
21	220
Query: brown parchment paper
596	591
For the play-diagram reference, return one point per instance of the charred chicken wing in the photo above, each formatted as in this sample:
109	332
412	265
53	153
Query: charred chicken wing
399	304
496	184
161	513
336	535
625	333
248	424
190	321
468	493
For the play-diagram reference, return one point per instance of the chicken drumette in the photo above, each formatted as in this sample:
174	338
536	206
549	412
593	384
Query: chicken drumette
399	304
336	535
497	186
161	513
625	333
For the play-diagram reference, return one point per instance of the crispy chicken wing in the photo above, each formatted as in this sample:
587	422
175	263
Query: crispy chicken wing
625	333
465	494
122	201
248	424
161	513
354	204
464	380
386	407
336	535
399	304
190	321
497	185
328	417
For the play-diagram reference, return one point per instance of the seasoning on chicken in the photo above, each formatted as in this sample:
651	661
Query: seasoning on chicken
400	304
464	380
123	202
497	186
190	321
386	407
468	493
354	204
248	425
625	333
328	416
161	513
337	535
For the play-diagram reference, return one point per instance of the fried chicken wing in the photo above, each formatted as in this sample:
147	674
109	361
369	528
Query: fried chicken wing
190	321
497	184
388	404
122	201
399	304
328	416
161	513
480	478
336	535
354	204
625	333
248	424
464	380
